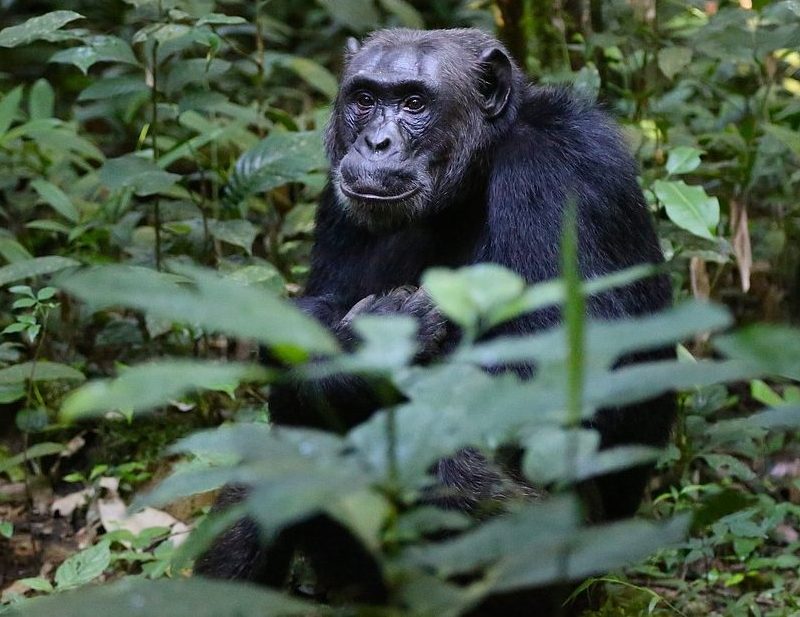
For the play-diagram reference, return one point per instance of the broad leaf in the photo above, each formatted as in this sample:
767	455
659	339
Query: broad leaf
34	267
39	371
57	198
135	597
689	207
36	451
683	159
134	172
210	301
770	348
671	60
281	158
9	105
83	567
41	101
99	48
36	28
147	386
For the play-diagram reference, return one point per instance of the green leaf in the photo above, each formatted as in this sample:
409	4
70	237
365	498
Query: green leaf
689	207
281	158
110	87
310	469
357	15
672	60
84	567
146	386
239	232
195	597
42	370
32	420
313	73
41	101
36	28
213	302
543	543
771	348
12	251
591	550
606	341
586	82
6	529
100	48
554	454
408	16
8	108
787	137
467	294
683	159
11	393
34	267
134	172
37	451
761	392
57	198
220	19
38	584
194	70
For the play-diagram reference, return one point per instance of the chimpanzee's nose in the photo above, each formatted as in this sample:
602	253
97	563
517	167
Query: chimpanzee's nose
379	141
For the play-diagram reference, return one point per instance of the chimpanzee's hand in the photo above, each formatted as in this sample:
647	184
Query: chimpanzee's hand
406	300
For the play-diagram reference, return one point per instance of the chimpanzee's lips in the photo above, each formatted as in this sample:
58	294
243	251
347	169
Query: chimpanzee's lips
377	197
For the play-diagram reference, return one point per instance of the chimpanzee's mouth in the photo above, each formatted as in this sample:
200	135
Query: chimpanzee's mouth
377	197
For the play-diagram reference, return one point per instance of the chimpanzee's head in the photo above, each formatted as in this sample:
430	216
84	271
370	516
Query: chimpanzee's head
415	111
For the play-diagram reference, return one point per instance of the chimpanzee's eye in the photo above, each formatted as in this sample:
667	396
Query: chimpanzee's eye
414	104
365	100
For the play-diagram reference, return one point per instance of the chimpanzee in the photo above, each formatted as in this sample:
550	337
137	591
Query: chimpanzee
442	154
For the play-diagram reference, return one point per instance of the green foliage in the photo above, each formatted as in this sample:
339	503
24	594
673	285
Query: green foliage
175	148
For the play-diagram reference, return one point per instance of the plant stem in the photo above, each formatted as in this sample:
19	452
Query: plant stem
154	133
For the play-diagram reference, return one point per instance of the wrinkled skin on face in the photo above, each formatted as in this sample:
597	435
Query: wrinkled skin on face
410	122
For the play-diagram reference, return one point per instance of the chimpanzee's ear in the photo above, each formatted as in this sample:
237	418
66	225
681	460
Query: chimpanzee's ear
495	81
352	45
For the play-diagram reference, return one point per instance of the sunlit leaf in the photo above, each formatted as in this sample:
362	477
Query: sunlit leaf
83	567
683	159
36	28
689	207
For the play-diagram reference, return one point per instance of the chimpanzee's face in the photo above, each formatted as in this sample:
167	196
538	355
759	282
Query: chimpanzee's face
390	103
409	119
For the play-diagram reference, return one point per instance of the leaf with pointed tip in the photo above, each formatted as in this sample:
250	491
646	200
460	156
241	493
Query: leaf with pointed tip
195	597
146	386
211	301
36	28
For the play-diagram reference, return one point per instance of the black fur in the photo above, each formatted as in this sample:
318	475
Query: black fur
496	160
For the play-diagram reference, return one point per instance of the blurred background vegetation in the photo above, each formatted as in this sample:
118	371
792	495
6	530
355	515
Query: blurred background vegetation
165	133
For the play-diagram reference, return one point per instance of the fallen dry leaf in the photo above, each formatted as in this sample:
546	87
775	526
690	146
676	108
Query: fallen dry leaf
66	505
740	236
698	274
